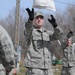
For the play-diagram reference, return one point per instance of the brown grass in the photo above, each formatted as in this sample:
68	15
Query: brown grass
56	70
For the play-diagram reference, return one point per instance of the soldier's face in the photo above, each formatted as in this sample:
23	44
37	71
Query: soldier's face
69	42
39	21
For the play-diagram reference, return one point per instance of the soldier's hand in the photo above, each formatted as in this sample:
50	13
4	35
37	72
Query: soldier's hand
70	34
53	21
30	13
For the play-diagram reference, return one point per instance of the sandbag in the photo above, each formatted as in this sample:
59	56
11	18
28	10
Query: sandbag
44	4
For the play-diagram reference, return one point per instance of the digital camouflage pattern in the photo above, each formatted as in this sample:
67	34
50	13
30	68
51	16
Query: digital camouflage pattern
7	52
38	42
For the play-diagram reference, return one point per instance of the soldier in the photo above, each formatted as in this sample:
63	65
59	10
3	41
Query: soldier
38	57
7	52
68	67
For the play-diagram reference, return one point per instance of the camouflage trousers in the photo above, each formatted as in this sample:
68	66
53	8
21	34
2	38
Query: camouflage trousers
68	71
32	71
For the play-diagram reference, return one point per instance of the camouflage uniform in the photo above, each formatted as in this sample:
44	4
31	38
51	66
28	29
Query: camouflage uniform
7	52
69	60
5	66
2	69
38	54
68	67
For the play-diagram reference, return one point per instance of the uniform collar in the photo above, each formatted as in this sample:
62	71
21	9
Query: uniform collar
43	29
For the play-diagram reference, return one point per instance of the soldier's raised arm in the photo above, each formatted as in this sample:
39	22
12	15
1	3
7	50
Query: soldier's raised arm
57	30
29	26
64	42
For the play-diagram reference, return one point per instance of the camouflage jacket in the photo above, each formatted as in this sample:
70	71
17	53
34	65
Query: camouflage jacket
69	56
38	43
